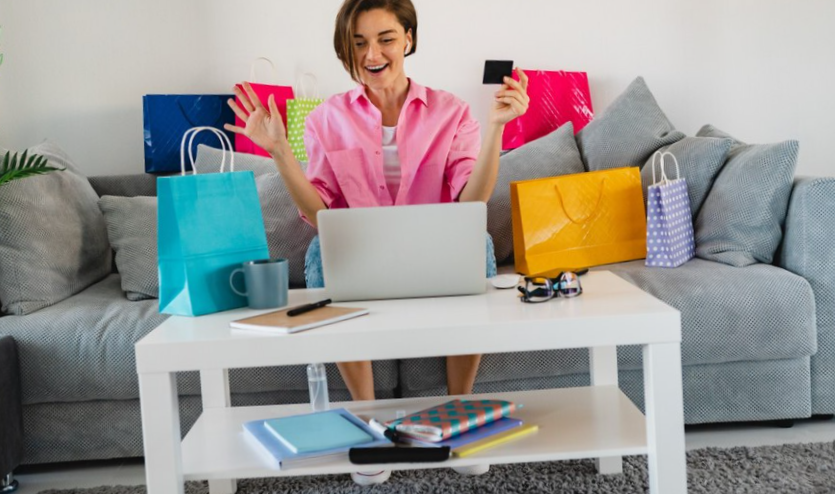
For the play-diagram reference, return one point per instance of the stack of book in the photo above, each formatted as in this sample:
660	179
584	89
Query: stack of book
466	426
288	441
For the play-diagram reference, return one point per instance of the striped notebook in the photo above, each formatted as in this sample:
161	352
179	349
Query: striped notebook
451	419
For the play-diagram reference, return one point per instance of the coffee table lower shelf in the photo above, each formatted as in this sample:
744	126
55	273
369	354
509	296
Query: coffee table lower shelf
574	423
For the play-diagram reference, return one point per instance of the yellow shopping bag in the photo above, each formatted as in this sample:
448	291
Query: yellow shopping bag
577	221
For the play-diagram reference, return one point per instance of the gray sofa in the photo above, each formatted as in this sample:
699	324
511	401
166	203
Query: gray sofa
758	341
757	345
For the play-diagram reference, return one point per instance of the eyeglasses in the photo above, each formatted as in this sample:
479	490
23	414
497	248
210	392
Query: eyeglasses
540	289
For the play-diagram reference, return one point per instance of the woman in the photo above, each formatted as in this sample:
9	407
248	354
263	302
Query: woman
388	142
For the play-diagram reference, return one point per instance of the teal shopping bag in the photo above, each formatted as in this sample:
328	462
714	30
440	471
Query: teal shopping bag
207	226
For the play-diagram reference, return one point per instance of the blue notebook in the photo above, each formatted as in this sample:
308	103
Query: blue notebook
314	432
279	456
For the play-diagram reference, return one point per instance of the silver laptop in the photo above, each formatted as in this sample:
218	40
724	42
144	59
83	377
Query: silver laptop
403	251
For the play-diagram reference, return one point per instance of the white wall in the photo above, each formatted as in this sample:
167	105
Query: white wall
75	71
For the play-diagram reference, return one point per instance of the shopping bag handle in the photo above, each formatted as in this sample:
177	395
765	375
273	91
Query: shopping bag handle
225	146
595	211
664	179
252	69
302	89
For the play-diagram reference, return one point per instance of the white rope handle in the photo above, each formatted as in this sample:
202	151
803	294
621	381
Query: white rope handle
663	168
657	153
664	179
225	146
252	69
301	88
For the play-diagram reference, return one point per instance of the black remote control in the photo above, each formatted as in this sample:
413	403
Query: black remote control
367	456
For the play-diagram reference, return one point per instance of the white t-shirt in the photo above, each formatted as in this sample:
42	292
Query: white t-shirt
391	161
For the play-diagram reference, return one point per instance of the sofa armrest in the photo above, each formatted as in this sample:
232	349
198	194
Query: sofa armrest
808	246
11	415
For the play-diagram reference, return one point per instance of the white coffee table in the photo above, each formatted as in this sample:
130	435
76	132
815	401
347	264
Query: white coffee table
593	422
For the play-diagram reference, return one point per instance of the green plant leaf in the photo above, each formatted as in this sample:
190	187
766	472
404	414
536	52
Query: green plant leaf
15	169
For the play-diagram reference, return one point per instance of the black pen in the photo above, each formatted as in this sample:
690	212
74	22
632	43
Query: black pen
307	308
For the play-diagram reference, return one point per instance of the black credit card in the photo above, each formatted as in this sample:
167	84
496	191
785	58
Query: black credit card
496	70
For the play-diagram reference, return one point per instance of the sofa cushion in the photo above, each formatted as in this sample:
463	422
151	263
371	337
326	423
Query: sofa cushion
83	349
54	239
699	159
132	230
136	184
548	156
288	236
728	314
209	158
627	132
741	221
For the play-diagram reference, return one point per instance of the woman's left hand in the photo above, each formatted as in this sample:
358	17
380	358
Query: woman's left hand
511	100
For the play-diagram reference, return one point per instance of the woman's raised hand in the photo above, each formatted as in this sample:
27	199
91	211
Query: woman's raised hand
511	100
263	126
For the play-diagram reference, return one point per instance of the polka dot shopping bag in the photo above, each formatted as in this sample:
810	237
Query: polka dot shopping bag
297	111
670	241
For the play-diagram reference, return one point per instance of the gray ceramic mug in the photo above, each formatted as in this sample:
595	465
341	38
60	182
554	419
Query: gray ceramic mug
267	282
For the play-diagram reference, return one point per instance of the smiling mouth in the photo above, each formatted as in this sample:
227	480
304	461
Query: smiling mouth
376	69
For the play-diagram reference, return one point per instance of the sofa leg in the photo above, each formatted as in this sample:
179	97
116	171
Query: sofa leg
8	484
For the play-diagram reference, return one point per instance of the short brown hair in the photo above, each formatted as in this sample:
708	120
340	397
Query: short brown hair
346	19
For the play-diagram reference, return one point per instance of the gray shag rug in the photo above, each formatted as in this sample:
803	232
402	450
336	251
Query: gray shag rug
795	468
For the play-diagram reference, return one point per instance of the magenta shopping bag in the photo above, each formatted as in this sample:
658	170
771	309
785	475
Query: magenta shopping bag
282	93
557	97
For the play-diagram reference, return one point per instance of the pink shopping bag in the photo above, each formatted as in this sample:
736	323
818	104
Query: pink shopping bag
282	93
557	97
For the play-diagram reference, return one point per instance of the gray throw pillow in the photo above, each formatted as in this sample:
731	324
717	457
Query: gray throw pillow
627	132
699	159
208	161
288	236
132	229
132	226
54	240
741	221
549	156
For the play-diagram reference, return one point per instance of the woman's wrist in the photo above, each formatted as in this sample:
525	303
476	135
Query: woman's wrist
493	136
495	127
494	130
282	154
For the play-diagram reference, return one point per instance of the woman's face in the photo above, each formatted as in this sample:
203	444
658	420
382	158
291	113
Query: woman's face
379	48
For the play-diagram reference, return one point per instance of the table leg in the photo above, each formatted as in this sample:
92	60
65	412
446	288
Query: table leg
603	362
160	409
666	456
214	389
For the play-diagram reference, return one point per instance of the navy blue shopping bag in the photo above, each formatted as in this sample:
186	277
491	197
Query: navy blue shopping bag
167	117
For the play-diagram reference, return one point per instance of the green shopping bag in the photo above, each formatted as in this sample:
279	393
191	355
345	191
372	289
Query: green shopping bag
297	111
207	225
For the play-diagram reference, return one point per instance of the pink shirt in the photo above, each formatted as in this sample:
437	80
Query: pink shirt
437	142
